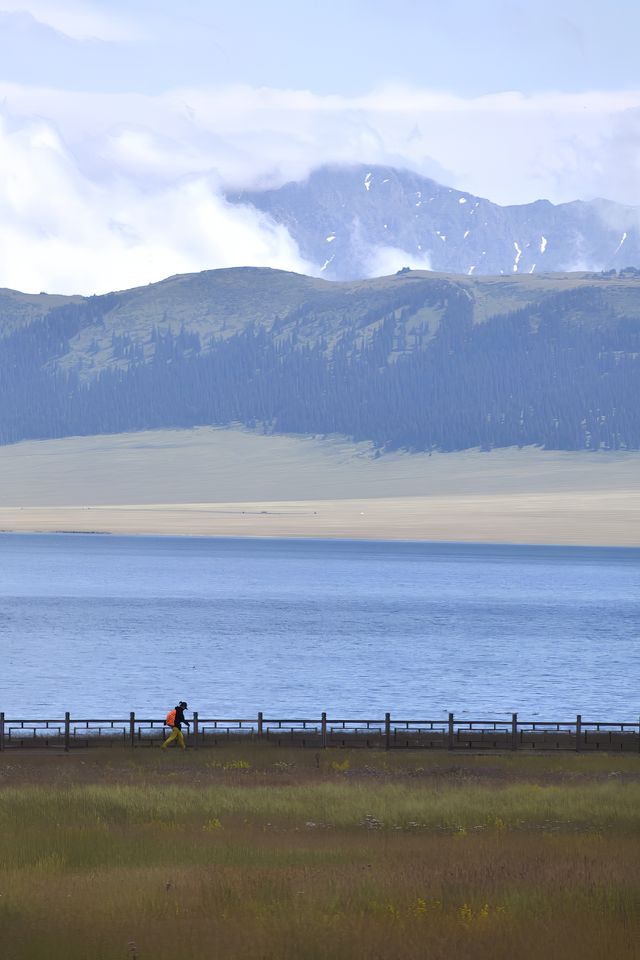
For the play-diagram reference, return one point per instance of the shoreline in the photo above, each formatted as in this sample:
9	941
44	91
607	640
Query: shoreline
603	518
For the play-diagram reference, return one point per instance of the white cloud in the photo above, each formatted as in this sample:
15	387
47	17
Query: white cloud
78	19
62	232
99	191
508	147
383	261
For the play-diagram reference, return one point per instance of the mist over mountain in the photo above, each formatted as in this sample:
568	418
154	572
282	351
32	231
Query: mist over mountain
367	220
417	360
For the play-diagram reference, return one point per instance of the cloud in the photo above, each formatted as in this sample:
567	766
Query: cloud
99	191
62	232
383	261
77	19
508	147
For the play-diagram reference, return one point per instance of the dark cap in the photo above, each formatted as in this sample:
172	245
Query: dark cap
183	703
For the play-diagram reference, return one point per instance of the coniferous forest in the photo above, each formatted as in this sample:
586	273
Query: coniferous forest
408	366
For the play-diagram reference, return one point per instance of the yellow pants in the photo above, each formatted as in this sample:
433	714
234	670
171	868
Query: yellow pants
175	734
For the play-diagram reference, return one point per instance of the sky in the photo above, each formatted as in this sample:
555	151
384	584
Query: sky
122	124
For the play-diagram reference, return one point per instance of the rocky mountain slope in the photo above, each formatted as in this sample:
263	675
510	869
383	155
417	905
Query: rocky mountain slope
364	221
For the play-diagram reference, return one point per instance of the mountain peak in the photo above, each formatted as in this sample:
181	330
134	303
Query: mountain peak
367	220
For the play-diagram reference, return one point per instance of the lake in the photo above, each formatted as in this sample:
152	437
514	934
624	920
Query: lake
101	625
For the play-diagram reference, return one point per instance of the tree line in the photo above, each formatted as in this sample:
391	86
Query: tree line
562	374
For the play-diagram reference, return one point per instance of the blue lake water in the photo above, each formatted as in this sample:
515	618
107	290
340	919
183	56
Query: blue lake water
102	625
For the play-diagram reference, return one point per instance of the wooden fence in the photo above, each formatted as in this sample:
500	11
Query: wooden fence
448	733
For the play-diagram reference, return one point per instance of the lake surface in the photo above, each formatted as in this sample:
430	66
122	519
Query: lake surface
101	625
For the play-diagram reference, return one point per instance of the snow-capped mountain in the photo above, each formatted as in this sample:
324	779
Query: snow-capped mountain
365	220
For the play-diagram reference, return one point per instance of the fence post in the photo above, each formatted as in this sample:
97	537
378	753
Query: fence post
67	731
450	731
578	732
514	731
132	729
387	731
2	730
260	723
196	729
323	730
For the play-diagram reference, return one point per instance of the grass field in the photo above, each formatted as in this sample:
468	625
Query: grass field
258	852
219	482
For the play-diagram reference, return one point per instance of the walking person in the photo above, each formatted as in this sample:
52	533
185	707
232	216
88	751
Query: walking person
175	719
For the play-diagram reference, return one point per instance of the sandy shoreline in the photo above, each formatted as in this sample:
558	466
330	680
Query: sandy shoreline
233	482
597	518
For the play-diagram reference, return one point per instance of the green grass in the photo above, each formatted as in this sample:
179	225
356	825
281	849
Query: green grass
263	853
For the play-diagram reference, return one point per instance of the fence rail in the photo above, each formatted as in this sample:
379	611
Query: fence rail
444	733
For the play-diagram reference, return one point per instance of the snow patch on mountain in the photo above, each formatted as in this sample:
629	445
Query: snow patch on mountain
518	256
622	240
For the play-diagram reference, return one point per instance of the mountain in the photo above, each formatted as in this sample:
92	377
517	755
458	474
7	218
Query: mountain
363	221
17	309
417	360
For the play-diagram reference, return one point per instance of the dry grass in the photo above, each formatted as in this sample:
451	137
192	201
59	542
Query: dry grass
263	853
232	482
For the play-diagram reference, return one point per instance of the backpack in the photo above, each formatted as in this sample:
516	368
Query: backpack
171	718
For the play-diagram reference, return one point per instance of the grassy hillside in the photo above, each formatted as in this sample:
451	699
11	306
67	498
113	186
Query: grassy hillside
418	360
20	309
221	303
